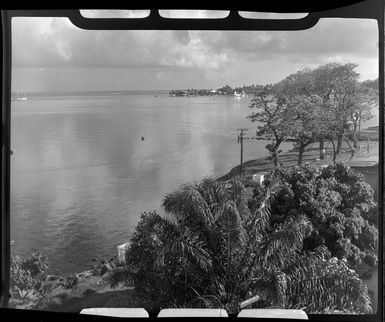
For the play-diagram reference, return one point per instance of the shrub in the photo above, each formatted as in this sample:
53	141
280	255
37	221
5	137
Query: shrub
27	280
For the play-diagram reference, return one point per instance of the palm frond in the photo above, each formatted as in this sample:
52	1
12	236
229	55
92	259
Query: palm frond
231	222
188	204
121	275
256	227
279	247
179	241
262	213
317	283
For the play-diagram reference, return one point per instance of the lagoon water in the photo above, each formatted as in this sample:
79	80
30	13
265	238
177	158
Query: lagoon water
81	174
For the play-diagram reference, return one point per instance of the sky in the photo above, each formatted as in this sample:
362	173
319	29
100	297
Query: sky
50	54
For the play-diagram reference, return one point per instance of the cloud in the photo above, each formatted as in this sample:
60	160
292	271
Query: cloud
55	42
328	37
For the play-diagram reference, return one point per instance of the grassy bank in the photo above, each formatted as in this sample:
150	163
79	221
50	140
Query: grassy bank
368	142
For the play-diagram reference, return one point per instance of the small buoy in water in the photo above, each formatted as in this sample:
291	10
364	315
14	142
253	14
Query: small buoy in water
142	138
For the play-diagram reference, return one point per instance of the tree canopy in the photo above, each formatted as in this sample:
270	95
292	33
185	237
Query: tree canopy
338	203
315	105
221	244
270	116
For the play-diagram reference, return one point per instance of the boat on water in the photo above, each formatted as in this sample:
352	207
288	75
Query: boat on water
19	98
243	94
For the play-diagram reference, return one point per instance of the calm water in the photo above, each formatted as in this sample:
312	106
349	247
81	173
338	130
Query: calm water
81	175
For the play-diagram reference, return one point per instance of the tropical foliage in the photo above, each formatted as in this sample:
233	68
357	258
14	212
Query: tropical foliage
27	280
338	203
220	244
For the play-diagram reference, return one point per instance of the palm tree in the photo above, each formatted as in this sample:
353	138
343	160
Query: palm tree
218	247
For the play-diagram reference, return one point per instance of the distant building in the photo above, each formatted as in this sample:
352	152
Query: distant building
122	251
259	177
319	168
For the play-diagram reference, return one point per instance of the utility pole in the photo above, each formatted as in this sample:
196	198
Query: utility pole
241	137
240	140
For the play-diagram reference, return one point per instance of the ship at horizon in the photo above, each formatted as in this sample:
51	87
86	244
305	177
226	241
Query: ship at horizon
242	94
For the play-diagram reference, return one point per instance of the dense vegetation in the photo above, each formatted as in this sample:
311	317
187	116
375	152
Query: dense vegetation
223	242
33	286
338	203
27	280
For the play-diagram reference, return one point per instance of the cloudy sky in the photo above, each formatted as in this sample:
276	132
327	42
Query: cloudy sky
50	54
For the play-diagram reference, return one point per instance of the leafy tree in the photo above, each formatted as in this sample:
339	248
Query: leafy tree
338	203
270	111
300	83
339	100
302	121
373	84
218	246
368	92
345	98
27	280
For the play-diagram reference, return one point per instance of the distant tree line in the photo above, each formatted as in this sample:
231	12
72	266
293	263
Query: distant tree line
190	92
326	104
224	90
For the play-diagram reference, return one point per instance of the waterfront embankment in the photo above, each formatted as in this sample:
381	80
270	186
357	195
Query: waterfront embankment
366	154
